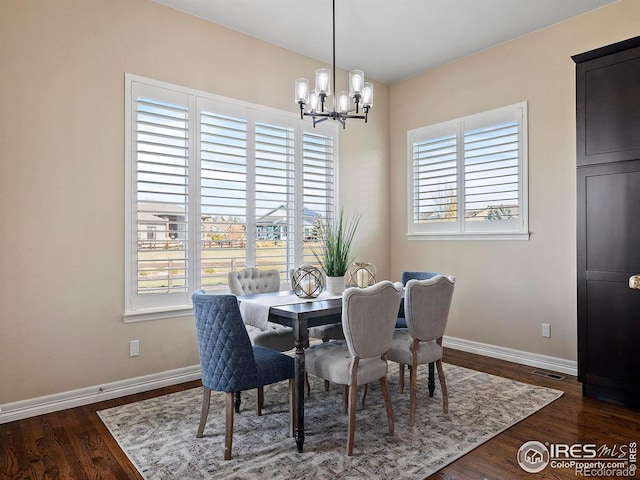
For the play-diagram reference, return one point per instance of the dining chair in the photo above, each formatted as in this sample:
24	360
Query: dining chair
368	319
401	322
249	281
230	363
426	305
253	280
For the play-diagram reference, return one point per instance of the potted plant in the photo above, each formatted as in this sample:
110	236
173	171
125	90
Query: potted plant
336	252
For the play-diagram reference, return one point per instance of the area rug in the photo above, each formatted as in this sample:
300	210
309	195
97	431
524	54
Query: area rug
158	435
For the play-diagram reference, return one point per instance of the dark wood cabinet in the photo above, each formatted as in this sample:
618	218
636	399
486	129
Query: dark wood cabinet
608	221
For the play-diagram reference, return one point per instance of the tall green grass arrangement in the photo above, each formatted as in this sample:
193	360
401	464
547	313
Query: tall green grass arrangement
337	251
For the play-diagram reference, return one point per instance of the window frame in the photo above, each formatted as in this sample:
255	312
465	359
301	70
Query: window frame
164	305
462	229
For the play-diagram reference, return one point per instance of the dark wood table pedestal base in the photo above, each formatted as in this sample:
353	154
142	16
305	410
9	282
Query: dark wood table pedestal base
301	334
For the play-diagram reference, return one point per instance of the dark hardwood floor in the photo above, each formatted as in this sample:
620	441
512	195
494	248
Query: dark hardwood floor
74	444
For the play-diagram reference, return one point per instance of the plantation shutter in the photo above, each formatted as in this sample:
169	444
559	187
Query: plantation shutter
223	196
318	173
160	147
491	175
434	174
274	195
215	185
468	177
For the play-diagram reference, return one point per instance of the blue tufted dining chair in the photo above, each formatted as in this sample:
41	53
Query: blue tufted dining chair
404	278
230	363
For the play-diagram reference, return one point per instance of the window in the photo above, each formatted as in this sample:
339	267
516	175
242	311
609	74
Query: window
468	177
215	185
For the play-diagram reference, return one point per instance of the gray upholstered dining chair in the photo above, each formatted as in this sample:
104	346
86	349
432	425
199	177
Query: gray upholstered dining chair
253	280
404	278
426	306
230	363
368	319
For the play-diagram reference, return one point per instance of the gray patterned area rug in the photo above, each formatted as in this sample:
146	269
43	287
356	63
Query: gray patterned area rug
159	434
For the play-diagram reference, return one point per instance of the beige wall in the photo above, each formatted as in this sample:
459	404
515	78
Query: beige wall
62	66
507	289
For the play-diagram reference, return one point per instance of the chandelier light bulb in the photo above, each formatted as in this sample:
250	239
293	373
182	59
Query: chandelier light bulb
356	80
343	102
314	101
367	95
302	90
323	81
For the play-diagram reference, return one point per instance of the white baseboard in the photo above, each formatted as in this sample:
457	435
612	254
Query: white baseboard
84	396
569	367
51	403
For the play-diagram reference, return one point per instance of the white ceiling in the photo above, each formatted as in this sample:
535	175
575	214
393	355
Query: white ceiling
389	39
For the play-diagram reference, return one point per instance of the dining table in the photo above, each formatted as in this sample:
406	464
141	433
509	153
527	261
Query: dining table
300	315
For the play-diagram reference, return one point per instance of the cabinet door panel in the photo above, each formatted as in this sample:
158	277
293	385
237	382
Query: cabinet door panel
608	106
613	329
612	108
613	222
608	221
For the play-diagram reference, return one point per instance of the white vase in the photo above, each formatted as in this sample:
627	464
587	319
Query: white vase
335	285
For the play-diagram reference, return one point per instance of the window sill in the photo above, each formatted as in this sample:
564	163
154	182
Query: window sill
469	236
158	314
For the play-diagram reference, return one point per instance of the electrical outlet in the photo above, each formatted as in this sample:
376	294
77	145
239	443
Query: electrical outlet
134	348
546	330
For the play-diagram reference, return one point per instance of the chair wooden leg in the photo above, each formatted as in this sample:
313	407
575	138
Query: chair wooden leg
388	404
353	401
228	428
237	405
292	406
351	433
206	398
365	389
443	386
326	382
413	382
413	393
306	381
345	398
260	400
402	378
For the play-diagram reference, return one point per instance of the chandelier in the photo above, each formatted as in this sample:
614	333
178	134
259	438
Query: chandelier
312	103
